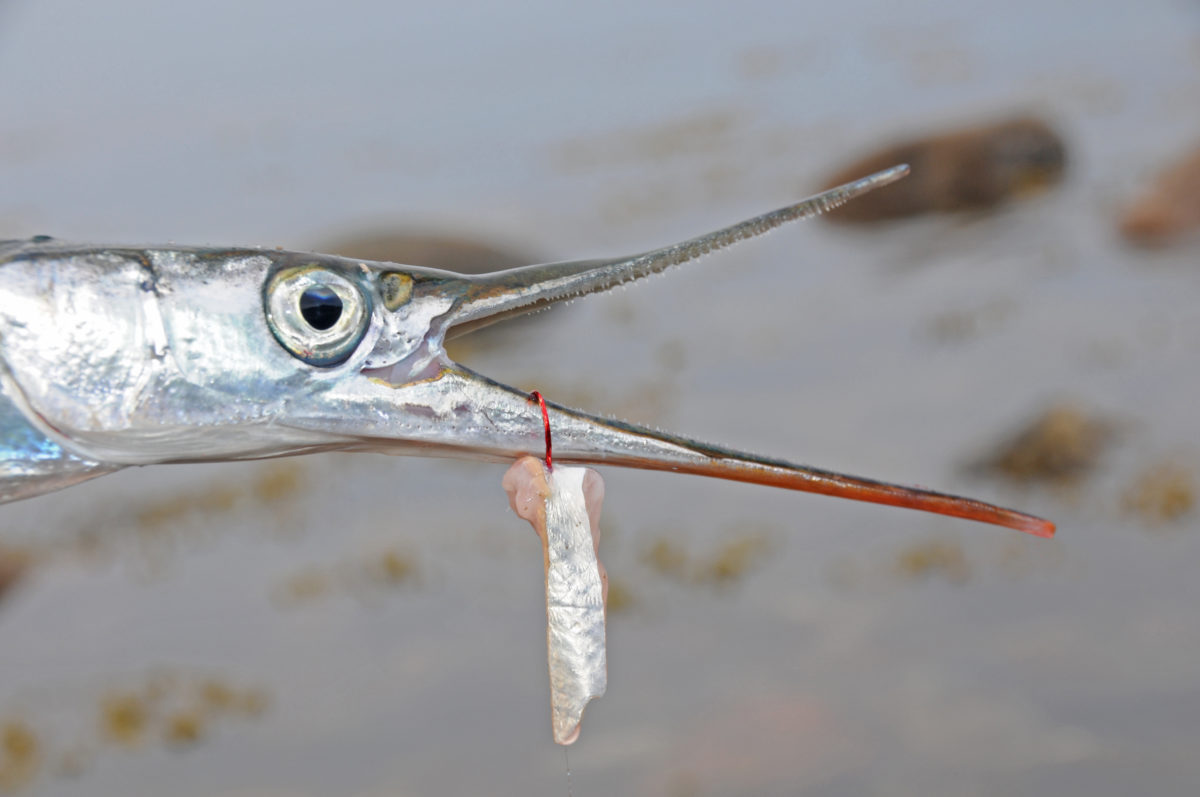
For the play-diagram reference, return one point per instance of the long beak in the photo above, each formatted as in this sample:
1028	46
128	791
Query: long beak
481	418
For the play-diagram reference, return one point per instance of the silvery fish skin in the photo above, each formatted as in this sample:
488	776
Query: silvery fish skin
563	506
118	356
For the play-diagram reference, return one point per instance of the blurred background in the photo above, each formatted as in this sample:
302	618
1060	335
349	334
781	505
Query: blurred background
1015	322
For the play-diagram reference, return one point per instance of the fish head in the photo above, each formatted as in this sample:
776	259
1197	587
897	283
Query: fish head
160	354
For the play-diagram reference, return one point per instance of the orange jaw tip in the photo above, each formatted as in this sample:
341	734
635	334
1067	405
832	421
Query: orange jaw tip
1038	527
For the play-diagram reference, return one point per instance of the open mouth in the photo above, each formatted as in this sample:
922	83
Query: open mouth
494	421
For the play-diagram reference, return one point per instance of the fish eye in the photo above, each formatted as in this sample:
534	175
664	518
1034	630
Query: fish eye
320	307
318	315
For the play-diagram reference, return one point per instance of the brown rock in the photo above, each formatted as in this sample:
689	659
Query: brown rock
973	169
1170	208
923	560
1163	493
1061	445
14	564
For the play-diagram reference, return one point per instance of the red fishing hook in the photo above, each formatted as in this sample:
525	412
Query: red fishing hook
536	396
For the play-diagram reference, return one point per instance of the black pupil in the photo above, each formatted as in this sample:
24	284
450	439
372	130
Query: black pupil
320	307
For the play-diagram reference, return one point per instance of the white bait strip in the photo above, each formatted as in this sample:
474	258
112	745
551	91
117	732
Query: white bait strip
563	506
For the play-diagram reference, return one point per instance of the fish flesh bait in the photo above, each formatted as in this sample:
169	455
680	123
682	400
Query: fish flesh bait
563	506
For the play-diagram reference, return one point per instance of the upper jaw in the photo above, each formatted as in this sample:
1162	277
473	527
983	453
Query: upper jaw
444	305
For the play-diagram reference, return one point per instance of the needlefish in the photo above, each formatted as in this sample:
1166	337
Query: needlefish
116	356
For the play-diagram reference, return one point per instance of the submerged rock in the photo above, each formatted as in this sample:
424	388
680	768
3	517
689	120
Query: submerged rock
973	169
1062	444
14	565
1163	493
1169	209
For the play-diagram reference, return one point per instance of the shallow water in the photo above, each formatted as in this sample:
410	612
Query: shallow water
391	609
